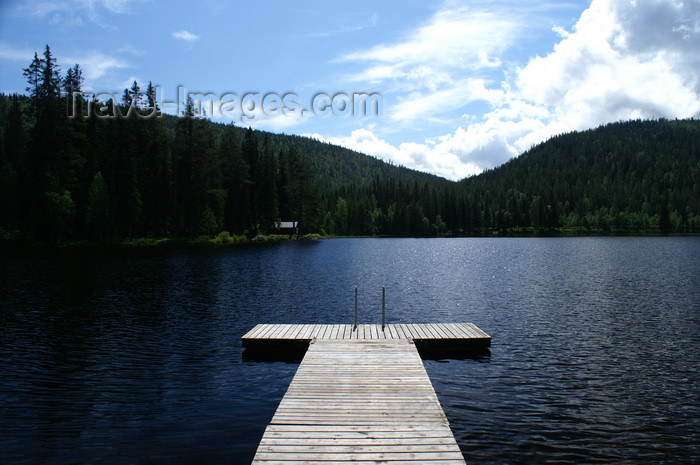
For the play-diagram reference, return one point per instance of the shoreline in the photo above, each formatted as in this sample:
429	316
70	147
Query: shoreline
226	240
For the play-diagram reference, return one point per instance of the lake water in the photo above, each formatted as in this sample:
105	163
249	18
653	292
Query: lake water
134	356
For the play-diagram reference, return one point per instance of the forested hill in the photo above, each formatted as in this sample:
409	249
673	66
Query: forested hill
622	177
333	166
72	168
120	169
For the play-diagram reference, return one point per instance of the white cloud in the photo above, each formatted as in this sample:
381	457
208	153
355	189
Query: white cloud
186	35
69	12
278	122
429	105
452	38
436	69
95	65
438	157
622	60
434	58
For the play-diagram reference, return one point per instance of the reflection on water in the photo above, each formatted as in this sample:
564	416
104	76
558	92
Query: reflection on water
134	356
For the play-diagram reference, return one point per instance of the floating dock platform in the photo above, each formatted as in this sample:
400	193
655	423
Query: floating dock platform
431	339
361	395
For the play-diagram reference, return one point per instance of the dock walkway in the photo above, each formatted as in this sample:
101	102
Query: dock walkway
429	331
364	399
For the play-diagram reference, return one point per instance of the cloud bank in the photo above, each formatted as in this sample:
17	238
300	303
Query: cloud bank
621	60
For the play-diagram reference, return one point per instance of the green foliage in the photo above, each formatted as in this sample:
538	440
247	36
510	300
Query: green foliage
97	214
118	178
638	176
60	215
224	237
148	242
208	225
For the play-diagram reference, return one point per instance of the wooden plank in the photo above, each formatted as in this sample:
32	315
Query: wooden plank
277	331
329	332
299	334
466	331
436	331
477	330
444	329
374	456
417	331
366	331
266	331
320	330
410	328
452	330
361	462
317	332
279	334
358	461
282	447
413	429
332	332
270	330
433	331
289	332
305	334
400	331
321	334
252	333
361	401
427	330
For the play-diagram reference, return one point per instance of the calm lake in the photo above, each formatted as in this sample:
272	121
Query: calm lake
133	356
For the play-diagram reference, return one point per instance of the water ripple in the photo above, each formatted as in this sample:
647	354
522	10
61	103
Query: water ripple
134	356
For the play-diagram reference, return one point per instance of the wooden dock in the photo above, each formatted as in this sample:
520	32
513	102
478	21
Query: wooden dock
358	400
432	338
430	331
361	394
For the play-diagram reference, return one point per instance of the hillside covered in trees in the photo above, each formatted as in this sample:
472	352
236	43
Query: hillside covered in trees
636	176
109	179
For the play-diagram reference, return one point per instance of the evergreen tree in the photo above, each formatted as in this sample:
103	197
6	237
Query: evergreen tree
33	75
97	215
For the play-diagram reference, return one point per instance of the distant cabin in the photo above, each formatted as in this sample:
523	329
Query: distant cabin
287	227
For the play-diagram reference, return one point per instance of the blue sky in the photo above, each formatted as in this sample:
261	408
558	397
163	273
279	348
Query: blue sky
464	85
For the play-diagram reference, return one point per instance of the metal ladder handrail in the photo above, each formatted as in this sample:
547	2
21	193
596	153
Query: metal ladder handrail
383	309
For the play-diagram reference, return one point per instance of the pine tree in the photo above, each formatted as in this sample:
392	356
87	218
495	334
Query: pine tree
33	75
236	182
97	214
151	99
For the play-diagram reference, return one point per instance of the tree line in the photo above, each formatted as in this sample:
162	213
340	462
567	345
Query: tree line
110	179
620	178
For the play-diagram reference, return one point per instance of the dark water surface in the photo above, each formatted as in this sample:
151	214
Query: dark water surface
134	356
